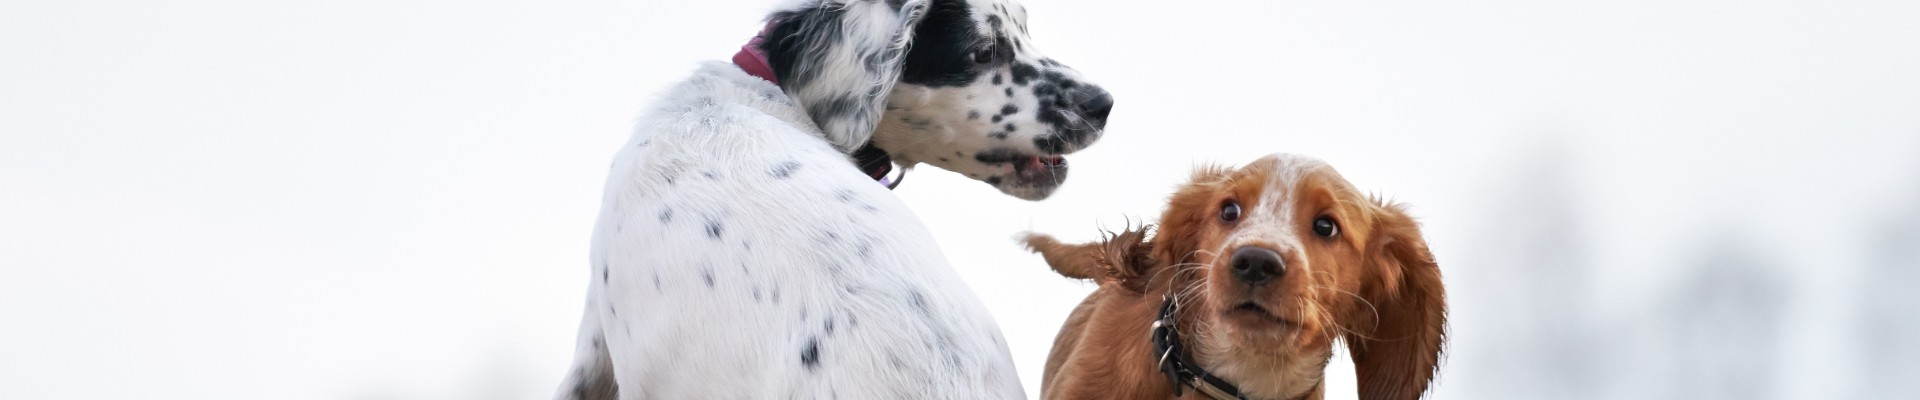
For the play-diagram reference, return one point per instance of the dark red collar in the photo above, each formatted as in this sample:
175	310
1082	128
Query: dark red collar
871	160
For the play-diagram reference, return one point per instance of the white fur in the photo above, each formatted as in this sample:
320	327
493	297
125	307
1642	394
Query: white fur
739	253
719	273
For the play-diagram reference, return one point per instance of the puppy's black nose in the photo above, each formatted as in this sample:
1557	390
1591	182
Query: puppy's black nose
1097	105
1255	265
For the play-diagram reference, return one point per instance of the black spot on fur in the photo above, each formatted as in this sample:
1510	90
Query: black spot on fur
973	114
1009	109
666	214
1010	128
943	159
1023	72
656	282
810	356
996	79
832	106
785	169
706	274
1050	143
919	301
713	229
712	176
999	156
605	275
791	43
993	180
595	383
997	118
943	47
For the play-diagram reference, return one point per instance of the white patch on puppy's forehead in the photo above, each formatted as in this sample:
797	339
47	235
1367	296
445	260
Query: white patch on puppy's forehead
1267	219
1288	170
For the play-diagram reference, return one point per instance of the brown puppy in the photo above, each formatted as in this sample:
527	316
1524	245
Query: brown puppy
1267	265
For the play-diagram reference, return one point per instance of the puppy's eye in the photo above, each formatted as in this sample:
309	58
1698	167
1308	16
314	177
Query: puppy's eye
1230	211
1325	227
983	55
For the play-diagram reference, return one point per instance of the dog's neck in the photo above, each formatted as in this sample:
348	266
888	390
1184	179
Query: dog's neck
1263	373
1266	374
1258	373
752	58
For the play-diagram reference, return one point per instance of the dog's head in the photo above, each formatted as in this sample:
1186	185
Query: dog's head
953	83
1275	260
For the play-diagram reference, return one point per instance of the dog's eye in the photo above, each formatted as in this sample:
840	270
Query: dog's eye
1230	211
1325	227
983	56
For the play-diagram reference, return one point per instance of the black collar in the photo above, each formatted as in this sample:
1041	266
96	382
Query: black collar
1178	365
876	164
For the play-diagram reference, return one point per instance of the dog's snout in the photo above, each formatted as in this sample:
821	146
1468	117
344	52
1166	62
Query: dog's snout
1256	265
1097	105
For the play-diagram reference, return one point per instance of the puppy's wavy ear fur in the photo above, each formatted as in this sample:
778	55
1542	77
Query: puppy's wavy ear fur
1119	260
840	58
1396	354
1188	210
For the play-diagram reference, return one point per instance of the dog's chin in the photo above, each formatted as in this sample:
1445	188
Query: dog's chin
1033	178
1257	325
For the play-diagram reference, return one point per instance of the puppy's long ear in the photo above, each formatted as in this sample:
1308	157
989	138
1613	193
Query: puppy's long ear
840	58
1396	355
1121	259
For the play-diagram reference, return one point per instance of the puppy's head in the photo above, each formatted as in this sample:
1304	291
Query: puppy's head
1276	259
953	83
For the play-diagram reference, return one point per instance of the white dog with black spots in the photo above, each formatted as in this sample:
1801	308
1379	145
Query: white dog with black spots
743	252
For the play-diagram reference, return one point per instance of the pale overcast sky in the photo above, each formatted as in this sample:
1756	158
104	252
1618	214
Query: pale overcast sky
392	199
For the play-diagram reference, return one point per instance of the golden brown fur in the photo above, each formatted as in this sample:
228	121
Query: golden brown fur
1372	284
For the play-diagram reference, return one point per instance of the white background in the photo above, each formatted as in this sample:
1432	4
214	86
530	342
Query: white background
392	199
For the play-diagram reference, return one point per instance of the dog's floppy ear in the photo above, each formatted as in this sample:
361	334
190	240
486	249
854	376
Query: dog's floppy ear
1396	354
1120	260
840	58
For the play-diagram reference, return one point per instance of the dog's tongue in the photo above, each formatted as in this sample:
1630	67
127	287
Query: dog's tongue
1035	164
1038	162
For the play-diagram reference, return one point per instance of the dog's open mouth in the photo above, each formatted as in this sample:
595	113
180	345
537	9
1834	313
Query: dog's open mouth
1041	168
1027	176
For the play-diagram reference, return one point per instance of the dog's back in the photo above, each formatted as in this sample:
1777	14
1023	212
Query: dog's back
736	256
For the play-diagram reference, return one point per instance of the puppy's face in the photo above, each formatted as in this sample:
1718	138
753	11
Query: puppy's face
1273	261
975	96
1278	248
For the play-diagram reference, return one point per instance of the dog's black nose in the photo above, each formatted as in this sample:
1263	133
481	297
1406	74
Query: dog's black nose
1097	105
1255	265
